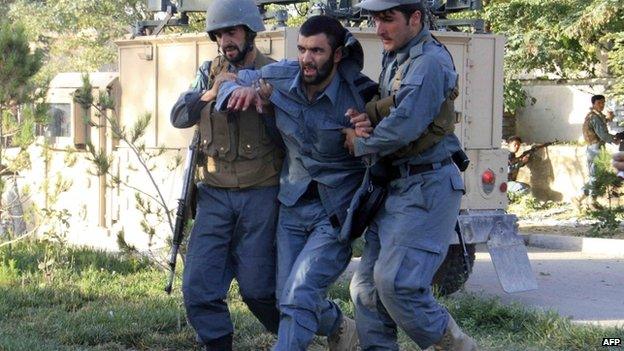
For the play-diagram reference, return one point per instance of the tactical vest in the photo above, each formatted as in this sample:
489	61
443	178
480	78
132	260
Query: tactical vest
238	152
588	131
443	124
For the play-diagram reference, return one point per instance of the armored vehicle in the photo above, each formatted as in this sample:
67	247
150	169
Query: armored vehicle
154	68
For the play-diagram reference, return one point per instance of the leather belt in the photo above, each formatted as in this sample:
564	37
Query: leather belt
312	193
416	169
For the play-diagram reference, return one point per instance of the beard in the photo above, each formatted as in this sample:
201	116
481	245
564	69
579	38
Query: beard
322	72
240	52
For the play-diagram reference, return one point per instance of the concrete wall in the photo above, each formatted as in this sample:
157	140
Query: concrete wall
75	173
557	172
559	110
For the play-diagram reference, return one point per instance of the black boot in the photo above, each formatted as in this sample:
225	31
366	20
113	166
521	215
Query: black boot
223	343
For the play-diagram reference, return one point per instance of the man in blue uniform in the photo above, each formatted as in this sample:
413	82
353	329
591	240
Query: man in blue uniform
234	231
410	235
319	176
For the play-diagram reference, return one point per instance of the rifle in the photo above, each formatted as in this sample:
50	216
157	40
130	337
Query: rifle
185	203
534	148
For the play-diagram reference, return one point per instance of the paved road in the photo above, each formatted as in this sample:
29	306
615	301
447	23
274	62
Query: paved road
587	288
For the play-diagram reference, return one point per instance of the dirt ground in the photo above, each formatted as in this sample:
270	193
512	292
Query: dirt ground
556	219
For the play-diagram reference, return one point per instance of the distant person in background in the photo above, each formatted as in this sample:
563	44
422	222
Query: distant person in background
515	163
596	135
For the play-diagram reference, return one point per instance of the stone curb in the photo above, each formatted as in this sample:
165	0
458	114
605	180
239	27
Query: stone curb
595	246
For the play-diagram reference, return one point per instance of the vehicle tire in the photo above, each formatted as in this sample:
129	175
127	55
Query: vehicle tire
450	277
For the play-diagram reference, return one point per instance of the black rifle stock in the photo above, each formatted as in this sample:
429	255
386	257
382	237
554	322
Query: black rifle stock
184	207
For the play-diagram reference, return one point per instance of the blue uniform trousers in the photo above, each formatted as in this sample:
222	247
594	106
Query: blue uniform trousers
310	259
404	248
233	237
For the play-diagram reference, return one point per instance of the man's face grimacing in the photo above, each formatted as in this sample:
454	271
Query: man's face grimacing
317	60
233	42
394	29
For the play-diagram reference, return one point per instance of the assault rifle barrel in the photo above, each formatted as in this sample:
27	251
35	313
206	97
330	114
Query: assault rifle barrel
184	205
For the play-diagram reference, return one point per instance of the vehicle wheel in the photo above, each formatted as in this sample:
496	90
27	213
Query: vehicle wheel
450	277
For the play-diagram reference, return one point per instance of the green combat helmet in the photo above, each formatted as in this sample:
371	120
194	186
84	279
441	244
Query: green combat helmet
230	13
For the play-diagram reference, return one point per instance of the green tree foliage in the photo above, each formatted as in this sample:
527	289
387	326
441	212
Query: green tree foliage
616	64
514	96
18	110
537	37
18	65
4	6
77	35
565	38
606	190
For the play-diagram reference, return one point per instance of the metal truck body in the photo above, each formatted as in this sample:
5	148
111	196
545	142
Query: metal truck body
154	70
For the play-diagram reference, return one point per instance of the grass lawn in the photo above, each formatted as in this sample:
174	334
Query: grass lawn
88	300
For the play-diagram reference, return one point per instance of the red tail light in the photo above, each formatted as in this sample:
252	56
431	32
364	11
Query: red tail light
488	177
503	187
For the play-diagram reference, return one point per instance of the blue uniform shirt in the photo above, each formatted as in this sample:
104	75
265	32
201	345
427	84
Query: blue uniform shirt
311	131
425	84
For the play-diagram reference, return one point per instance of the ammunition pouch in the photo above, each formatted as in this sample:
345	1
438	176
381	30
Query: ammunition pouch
372	199
237	150
443	124
377	108
218	134
461	160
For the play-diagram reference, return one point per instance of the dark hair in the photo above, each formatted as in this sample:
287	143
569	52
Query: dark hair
407	10
329	26
596	98
514	138
250	35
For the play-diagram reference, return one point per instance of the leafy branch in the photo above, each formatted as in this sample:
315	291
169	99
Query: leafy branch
84	97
